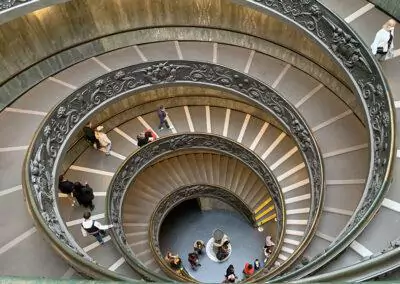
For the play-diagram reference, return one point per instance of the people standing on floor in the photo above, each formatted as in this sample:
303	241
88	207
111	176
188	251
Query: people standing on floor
248	270
193	259
174	261
162	115
67	187
257	264
84	195
198	247
230	275
90	136
383	46
94	228
104	141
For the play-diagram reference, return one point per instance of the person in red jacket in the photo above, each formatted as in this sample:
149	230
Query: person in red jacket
248	270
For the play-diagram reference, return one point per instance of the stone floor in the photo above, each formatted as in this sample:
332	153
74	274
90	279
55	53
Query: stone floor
187	222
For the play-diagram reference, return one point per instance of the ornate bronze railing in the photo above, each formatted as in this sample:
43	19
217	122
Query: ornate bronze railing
349	51
148	155
8	4
182	194
375	267
49	143
333	34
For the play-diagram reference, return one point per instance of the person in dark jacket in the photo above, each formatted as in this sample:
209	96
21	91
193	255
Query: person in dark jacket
67	187
90	136
142	139
84	195
230	275
193	259
145	137
162	115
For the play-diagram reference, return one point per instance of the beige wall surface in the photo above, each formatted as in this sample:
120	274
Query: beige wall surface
40	34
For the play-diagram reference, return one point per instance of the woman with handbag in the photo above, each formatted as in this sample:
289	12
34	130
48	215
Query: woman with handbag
383	47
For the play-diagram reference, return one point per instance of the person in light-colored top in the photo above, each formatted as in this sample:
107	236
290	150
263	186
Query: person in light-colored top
94	228
383	46
104	141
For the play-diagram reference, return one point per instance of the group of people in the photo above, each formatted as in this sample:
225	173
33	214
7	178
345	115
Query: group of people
100	141
83	194
193	257
76	191
97	138
250	268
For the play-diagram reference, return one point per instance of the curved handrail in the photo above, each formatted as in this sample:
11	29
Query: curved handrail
372	267
139	160
181	194
349	51
49	143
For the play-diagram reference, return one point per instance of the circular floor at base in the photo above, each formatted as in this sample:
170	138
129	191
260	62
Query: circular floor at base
181	230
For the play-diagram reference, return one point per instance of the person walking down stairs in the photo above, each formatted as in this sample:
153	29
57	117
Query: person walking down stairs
162	115
90	136
145	137
383	47
104	141
94	228
67	187
84	195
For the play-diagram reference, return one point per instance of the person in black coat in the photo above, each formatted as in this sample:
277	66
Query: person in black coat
91	137
142	139
67	187
84	195
230	275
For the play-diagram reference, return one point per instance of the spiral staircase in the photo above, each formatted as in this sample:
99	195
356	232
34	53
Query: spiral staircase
312	164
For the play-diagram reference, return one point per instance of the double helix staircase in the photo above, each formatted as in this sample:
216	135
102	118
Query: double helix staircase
338	127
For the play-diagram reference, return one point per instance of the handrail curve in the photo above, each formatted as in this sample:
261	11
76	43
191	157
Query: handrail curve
49	143
335	36
139	160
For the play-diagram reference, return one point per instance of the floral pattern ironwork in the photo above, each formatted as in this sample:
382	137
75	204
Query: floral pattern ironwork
71	113
147	155
349	50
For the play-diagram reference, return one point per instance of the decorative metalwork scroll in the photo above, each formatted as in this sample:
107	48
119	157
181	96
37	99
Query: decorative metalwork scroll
147	155
7	4
51	138
334	35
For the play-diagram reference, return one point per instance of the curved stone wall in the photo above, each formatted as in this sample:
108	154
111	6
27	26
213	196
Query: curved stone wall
35	36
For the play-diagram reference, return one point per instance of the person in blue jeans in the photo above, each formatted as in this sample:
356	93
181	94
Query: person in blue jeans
94	228
162	115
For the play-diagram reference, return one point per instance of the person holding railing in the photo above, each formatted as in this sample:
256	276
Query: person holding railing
94	228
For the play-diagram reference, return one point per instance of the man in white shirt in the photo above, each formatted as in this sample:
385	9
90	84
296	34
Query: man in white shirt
94	228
